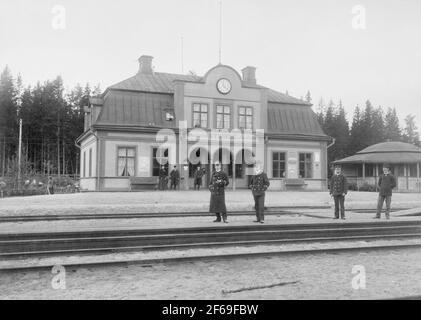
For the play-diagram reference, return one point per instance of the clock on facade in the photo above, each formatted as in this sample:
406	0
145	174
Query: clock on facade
223	85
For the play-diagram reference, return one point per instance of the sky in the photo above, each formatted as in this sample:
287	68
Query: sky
324	46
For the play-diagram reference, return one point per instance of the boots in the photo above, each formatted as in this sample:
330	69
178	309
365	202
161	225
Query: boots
218	218
224	216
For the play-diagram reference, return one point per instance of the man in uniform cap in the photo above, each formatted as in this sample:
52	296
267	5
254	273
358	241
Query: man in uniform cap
386	183
258	185
339	189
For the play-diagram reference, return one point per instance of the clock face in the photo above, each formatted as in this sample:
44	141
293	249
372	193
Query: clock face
223	85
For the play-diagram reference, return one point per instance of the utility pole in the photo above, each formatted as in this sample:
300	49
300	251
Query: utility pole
20	152
4	156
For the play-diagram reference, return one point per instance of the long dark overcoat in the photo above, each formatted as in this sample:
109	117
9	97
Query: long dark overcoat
218	182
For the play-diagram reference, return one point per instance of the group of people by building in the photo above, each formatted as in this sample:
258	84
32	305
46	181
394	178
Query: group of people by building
339	189
174	178
259	183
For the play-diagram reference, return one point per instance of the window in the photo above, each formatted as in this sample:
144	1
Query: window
400	170
125	162
155	162
200	115
245	117
412	170
369	170
84	165
306	165
278	164
90	162
223	117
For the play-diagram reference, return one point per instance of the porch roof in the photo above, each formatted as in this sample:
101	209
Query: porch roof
382	157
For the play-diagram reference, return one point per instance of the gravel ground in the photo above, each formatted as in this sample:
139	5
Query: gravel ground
179	201
321	276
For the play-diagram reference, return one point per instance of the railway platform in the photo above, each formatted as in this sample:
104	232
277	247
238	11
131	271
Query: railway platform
183	201
148	227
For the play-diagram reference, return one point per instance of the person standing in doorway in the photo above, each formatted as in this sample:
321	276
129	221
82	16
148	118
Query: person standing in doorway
386	183
198	175
175	178
339	189
258	185
218	182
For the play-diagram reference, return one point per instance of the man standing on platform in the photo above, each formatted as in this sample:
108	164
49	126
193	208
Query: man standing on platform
386	183
339	189
218	182
258	185
175	178
163	178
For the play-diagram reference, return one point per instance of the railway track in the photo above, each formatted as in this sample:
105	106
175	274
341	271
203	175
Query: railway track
104	216
142	240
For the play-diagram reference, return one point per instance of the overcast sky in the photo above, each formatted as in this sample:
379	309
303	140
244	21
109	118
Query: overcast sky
295	45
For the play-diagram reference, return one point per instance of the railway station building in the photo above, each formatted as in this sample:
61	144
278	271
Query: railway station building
119	147
365	167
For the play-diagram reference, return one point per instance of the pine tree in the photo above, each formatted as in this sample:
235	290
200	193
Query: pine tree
356	132
411	134
321	109
392	130
377	130
342	134
8	117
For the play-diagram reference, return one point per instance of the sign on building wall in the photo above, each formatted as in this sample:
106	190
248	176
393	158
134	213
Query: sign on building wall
144	166
292	164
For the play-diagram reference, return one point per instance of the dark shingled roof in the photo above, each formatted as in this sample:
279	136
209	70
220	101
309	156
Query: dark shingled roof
386	152
288	119
136	108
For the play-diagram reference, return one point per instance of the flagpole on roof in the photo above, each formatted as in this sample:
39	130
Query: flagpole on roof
220	31
182	55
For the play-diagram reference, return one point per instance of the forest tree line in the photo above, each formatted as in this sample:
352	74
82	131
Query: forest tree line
370	125
52	119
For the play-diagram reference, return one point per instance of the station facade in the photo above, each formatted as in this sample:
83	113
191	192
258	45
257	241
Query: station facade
119	142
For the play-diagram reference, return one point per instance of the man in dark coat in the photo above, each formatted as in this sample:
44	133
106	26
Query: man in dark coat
163	178
175	178
258	185
218	182
386	183
339	189
198	177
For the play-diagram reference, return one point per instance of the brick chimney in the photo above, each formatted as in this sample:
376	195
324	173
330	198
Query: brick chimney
249	75
145	64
